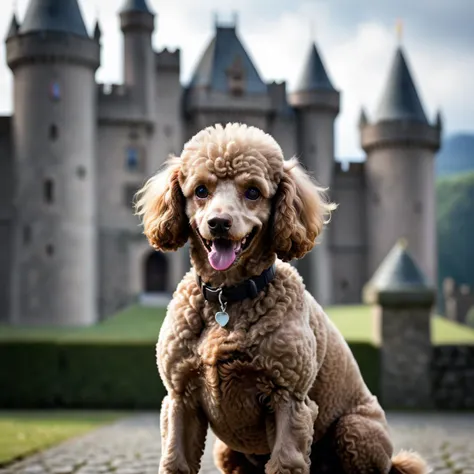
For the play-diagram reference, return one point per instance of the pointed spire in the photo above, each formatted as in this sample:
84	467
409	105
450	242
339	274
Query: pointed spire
400	100
399	280
314	76
439	120
54	15
226	54
13	28
363	120
136	6
97	31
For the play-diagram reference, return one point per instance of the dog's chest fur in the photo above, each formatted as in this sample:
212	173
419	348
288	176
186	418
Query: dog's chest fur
232	389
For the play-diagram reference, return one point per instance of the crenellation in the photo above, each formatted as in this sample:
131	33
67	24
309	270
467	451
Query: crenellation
168	60
349	168
112	90
122	134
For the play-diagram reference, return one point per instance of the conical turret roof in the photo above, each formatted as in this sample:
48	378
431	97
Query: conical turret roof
135	6
399	279
225	53
314	76
400	100
54	15
13	28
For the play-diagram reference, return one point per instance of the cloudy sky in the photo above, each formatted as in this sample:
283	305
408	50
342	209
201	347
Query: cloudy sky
357	40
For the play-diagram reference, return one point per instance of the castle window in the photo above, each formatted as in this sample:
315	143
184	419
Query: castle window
418	207
55	91
50	250
48	191
81	172
235	77
133	159
53	133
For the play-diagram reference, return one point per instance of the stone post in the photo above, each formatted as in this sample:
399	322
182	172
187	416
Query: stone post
402	302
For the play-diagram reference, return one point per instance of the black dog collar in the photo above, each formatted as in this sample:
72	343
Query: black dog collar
229	294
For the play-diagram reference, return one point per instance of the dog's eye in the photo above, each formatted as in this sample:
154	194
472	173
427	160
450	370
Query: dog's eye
201	192
252	194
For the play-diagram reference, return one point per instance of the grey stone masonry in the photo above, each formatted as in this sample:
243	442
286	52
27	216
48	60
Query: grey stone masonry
403	301
453	377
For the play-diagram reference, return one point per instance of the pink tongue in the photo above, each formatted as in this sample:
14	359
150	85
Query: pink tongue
222	254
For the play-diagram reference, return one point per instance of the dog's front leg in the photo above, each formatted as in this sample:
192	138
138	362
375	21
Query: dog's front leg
184	429
292	436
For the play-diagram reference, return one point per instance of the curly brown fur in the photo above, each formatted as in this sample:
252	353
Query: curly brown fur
278	384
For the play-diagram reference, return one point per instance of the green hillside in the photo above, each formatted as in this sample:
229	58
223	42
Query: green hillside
455	226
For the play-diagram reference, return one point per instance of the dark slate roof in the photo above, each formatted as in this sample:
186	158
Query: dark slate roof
224	51
13	28
314	76
54	15
135	5
399	282
398	271
97	31
400	99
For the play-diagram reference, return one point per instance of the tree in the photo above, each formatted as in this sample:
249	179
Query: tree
455	228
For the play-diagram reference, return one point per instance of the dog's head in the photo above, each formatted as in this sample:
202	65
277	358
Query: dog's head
233	194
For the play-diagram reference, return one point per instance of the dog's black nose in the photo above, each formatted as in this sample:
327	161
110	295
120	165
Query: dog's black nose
220	225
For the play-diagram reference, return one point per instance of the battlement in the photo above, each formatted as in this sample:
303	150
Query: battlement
277	92
459	299
112	90
168	60
349	168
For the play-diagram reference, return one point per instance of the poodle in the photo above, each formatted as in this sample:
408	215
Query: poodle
244	348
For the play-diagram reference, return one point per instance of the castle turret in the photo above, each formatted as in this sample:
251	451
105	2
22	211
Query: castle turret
400	146
13	28
137	23
53	61
226	85
317	104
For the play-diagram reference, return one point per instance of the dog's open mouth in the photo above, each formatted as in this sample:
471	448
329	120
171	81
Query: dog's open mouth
223	253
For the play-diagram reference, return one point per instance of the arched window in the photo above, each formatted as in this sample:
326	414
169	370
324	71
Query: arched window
53	132
48	191
132	158
156	273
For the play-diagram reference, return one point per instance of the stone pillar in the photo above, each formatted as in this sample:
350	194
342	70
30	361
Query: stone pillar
402	302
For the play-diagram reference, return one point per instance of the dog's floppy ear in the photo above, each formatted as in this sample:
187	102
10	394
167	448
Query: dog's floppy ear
160	204
300	212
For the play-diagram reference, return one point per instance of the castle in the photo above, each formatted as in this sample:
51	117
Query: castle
74	152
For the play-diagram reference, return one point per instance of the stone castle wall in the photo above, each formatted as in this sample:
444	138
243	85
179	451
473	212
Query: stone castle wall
453	377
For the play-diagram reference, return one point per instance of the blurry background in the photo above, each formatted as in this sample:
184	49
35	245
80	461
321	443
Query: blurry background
372	97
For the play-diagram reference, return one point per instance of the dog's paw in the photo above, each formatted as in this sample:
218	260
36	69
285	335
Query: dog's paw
166	470
288	463
174	467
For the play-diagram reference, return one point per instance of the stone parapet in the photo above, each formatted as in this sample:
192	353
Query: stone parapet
51	47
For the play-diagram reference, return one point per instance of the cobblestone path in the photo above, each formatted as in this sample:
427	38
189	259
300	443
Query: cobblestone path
132	446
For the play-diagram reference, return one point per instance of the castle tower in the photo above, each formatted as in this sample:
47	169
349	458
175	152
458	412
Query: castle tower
317	104
226	85
400	146
137	23
53	61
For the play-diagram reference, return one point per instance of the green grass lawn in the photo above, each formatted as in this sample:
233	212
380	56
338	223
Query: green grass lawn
23	433
136	323
140	323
